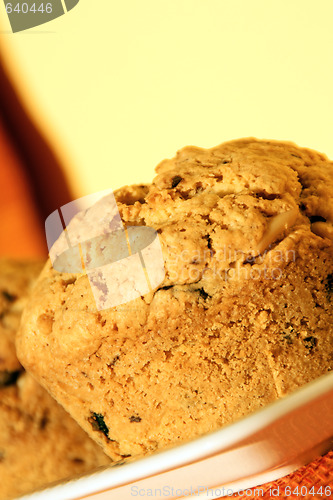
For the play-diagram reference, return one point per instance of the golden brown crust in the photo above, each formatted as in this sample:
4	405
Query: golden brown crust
16	281
243	316
39	442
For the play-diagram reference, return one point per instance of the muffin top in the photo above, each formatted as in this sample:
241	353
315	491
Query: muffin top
225	206
220	213
242	203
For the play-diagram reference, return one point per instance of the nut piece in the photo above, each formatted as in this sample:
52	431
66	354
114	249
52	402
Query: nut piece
323	229
277	225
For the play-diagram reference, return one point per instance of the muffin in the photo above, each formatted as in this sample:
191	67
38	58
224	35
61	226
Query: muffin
39	442
16	281
242	314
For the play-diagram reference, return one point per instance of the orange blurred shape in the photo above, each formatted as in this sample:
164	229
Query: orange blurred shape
21	232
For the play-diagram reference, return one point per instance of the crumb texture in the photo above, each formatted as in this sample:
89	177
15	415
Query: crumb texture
16	281
39	442
242	318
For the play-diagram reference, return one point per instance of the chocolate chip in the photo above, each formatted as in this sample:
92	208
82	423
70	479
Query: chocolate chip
97	423
310	343
135	419
9	378
9	296
209	241
175	181
44	422
203	294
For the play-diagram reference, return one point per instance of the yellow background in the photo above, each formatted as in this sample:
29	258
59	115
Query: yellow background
120	85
